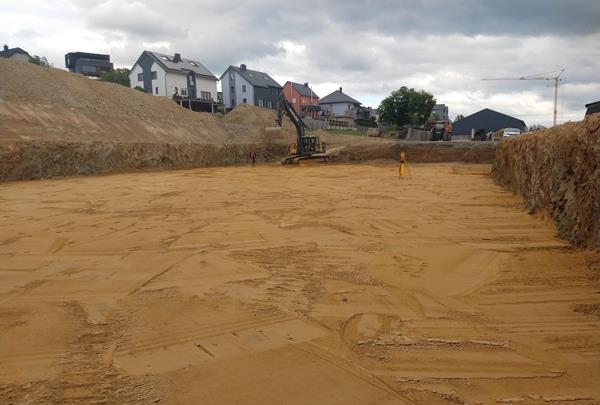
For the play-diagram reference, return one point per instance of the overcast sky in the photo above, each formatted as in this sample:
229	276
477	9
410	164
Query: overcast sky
368	47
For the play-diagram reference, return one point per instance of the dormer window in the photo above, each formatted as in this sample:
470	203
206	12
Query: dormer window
167	59
193	64
250	74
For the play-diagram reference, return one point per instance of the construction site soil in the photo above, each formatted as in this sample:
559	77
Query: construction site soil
55	123
321	284
316	283
557	170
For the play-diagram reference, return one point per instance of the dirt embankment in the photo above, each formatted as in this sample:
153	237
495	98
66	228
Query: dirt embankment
63	124
558	170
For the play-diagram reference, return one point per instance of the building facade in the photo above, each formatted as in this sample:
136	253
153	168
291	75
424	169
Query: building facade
441	110
14	53
339	104
488	120
174	77
304	101
241	85
88	64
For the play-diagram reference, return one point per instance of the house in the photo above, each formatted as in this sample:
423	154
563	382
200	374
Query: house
338	104
304	101
441	110
242	85
15	54
592	108
174	77
488	120
88	64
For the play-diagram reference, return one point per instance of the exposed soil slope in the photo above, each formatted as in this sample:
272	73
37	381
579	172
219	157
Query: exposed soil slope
558	170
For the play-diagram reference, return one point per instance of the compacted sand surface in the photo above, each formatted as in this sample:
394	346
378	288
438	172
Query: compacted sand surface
333	284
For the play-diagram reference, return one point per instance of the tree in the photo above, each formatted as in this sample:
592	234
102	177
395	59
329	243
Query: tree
406	106
119	76
39	60
459	117
536	127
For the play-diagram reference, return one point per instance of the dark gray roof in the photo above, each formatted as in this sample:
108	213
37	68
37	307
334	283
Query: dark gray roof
11	52
166	61
255	77
486	119
338	97
303	90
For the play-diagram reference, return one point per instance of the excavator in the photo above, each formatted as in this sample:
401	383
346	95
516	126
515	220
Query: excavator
306	146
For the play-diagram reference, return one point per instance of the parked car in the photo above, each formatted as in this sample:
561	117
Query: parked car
510	132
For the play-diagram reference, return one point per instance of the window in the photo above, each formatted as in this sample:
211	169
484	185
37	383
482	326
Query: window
244	101
88	69
270	104
167	59
243	88
231	75
176	91
140	77
154	76
205	95
191	79
193	64
294	100
250	74
232	89
261	103
156	90
183	92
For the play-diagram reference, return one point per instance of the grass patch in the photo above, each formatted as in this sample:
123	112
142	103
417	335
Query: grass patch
346	132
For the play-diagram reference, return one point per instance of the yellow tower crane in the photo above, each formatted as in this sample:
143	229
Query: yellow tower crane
556	80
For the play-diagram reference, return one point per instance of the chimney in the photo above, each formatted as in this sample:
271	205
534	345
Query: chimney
306	84
243	67
340	89
177	58
5	47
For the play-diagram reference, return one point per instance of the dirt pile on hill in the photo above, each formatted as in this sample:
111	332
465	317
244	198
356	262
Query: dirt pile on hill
56	123
558	170
246	114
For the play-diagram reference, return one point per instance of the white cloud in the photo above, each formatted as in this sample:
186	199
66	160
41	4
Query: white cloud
368	47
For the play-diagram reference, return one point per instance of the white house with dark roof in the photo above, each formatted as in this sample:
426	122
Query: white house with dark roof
172	75
14	53
339	104
242	85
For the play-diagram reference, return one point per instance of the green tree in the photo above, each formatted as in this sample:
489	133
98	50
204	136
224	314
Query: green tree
119	76
459	117
406	106
39	60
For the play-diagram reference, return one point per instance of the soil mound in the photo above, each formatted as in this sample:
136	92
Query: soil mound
56	123
558	170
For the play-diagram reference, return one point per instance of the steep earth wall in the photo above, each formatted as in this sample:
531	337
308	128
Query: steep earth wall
558	170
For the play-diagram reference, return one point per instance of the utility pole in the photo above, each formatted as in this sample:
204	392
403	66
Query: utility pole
556	80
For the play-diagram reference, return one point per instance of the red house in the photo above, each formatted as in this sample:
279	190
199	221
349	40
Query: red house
302	98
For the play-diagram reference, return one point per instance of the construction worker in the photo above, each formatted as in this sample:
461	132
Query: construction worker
402	164
253	156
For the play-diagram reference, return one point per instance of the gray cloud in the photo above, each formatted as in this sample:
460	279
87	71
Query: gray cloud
368	47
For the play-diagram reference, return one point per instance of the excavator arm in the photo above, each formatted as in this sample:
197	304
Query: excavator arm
284	107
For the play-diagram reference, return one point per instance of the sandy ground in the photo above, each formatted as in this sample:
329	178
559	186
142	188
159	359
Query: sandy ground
332	284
